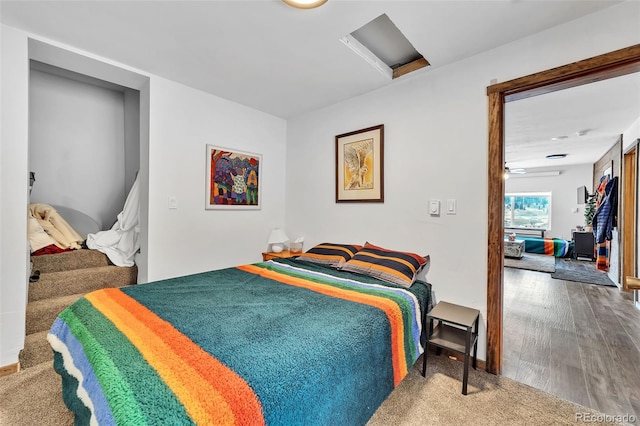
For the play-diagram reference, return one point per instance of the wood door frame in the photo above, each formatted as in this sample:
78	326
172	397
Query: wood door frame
617	63
629	213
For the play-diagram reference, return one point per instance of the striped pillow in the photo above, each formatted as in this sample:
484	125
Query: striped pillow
388	265
330	254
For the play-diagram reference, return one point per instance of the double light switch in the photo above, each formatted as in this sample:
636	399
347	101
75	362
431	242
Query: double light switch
434	207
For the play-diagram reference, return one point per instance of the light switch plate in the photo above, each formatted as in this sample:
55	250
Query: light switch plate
452	206
173	203
434	207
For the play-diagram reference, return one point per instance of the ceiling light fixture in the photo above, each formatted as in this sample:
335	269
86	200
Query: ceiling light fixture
556	156
305	4
548	173
557	138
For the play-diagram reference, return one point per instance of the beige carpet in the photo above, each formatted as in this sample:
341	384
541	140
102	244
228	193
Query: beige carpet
33	397
490	400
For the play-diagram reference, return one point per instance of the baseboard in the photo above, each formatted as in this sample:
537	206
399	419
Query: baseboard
456	356
5	370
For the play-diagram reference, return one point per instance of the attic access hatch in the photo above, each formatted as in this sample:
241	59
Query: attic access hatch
383	46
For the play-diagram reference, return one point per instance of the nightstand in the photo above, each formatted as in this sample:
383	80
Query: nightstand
457	330
268	255
584	245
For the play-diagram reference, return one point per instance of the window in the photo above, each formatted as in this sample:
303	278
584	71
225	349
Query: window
527	210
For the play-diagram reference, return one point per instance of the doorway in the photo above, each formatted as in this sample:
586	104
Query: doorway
613	64
629	213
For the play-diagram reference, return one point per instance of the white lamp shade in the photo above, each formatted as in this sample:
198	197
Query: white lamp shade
277	240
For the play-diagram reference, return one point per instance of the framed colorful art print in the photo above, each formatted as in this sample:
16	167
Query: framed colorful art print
360	166
232	179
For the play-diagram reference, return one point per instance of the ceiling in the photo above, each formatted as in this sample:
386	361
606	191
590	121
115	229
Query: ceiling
591	117
287	61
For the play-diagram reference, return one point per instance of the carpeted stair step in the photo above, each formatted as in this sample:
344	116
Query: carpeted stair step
36	350
42	313
55	284
76	259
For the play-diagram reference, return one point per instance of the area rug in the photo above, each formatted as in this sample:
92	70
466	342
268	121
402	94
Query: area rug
532	262
580	271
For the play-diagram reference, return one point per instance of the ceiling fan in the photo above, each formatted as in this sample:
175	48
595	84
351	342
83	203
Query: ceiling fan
517	171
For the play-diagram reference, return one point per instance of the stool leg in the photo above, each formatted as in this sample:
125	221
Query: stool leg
424	360
467	350
426	348
475	355
475	347
466	374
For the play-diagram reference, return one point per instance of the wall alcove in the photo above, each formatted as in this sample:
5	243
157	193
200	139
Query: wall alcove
84	141
88	135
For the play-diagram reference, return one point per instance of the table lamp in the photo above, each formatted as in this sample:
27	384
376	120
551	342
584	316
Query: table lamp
277	240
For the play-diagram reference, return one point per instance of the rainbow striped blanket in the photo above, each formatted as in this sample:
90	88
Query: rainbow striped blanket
551	246
280	343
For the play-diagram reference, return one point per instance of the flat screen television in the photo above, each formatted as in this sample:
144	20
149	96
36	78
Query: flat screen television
583	195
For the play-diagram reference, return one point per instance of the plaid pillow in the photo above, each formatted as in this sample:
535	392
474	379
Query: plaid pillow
388	265
330	254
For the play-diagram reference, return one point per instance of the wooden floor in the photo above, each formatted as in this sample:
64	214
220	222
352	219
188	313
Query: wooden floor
578	341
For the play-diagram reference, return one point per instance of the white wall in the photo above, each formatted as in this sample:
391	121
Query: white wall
14	84
77	146
132	120
564	195
630	135
435	147
191	239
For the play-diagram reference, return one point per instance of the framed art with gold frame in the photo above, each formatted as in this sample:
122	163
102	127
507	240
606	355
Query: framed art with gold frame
360	166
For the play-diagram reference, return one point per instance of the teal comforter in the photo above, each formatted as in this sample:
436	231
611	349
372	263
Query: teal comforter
280	343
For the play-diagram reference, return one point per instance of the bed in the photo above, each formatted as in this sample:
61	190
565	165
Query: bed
279	342
550	246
